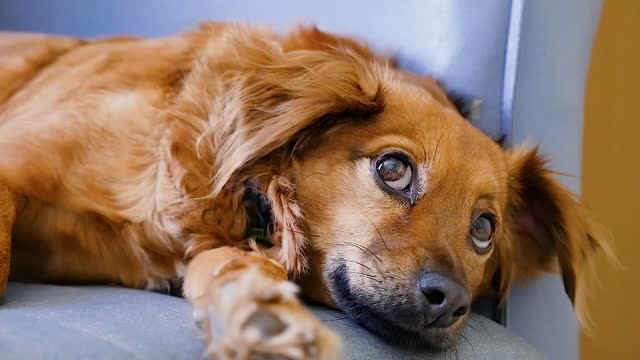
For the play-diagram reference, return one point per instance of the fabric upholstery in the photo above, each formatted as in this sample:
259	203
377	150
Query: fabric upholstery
73	323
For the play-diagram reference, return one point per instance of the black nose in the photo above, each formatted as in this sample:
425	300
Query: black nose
446	299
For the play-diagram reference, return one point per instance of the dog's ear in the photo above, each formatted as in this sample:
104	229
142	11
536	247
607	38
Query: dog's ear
546	226
281	92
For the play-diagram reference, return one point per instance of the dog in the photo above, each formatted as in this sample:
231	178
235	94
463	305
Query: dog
241	165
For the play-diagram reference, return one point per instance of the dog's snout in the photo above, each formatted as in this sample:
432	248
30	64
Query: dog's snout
446	299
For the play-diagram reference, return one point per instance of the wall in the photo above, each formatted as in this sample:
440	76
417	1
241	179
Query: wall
611	178
556	39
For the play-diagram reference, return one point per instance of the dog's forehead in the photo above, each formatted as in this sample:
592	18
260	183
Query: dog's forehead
443	143
418	114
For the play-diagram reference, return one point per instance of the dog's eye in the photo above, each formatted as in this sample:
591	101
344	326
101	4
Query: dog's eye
482	233
395	172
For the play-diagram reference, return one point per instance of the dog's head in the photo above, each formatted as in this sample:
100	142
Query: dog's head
409	211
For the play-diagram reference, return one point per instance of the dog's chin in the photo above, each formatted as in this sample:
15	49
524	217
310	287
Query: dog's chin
402	327
434	339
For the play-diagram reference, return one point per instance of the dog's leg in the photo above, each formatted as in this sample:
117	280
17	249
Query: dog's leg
7	217
247	309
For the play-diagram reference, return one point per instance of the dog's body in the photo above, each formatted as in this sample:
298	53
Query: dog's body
128	161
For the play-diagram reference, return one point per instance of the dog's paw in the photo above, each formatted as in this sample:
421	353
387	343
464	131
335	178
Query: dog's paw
257	317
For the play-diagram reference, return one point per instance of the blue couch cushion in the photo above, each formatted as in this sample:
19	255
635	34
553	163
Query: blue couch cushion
91	322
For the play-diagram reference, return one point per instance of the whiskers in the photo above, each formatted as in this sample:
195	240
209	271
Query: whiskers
355	262
379	234
477	326
366	271
362	248
367	275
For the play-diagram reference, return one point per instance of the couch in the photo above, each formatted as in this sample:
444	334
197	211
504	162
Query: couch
526	62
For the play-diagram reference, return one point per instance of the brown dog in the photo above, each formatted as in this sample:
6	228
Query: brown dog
130	161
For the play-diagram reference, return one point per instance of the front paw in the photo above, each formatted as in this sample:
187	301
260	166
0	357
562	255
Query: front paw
254	316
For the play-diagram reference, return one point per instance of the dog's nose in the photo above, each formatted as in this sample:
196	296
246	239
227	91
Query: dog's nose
446	299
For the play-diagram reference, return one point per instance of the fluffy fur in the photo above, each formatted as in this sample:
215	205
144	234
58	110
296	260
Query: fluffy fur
128	159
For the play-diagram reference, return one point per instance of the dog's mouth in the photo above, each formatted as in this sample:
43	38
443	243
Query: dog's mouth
406	327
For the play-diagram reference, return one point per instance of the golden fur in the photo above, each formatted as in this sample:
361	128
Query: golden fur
128	160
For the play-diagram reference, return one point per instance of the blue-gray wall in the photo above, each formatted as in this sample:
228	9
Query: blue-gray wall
555	49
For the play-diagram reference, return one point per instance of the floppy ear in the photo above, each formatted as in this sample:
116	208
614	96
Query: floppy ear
545	222
281	92
267	96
